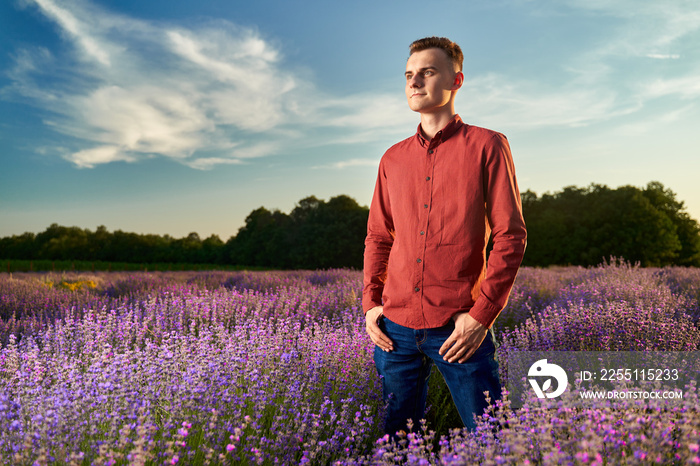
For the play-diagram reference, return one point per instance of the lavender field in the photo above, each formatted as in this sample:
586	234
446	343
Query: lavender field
275	368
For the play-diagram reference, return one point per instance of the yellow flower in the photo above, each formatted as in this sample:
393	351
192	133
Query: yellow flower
78	285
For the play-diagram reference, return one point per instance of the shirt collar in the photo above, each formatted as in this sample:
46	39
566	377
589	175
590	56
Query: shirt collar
445	133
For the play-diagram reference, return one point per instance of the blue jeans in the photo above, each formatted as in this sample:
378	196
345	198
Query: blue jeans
405	372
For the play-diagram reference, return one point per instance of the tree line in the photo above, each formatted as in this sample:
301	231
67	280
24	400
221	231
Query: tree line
315	234
576	226
583	226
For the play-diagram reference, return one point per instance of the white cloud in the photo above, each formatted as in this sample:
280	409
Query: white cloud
88	158
647	29
76	29
350	163
207	163
507	104
144	119
687	87
367	111
675	18
256	150
132	89
609	79
128	89
662	56
170	92
655	123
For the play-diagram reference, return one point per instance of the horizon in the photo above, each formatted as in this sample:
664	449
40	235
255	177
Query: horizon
172	118
203	237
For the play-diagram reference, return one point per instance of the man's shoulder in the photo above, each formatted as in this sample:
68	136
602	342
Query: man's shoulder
404	143
401	147
481	133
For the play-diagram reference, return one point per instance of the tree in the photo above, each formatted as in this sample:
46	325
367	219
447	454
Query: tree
315	234
583	226
328	234
261	240
18	246
687	229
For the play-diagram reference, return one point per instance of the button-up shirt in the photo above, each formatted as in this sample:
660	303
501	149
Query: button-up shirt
435	205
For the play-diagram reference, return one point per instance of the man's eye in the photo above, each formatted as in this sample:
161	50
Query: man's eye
428	73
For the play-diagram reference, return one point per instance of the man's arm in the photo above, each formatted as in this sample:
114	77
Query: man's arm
378	243
504	214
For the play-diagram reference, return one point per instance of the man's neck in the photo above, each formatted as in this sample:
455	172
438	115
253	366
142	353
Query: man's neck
431	123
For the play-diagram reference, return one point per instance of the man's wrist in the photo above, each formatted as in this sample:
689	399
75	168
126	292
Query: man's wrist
369	306
379	317
378	310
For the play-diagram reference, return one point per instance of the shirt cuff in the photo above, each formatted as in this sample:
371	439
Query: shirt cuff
369	301
484	311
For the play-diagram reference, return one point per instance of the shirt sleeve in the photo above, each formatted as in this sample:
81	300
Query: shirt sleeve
505	217
380	238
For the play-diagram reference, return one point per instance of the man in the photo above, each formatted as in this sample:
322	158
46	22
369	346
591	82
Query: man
428	295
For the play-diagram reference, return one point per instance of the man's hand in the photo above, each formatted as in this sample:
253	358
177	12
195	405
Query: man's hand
378	337
465	339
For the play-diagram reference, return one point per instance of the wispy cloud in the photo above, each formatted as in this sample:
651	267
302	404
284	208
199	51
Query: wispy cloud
130	89
217	93
664	56
651	24
206	163
77	30
654	123
350	163
661	31
523	105
687	87
605	81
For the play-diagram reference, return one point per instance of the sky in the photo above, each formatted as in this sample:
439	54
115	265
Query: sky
174	116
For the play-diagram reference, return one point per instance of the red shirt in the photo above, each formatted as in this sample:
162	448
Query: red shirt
435	204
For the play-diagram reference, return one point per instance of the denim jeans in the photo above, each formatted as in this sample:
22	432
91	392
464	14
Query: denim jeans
405	372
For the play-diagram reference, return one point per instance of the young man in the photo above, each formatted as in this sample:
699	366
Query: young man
428	295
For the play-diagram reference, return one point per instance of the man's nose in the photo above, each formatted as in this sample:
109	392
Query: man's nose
415	81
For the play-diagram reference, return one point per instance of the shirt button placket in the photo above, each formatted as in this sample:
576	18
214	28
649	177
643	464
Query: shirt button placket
424	221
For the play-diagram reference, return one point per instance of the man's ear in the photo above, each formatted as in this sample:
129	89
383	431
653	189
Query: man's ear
459	80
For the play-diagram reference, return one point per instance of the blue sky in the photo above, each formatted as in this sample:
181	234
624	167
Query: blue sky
174	116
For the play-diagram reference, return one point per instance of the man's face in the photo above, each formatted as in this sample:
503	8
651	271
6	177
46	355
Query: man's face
430	80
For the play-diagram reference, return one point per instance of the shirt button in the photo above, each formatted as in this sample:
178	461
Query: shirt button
416	289
427	178
419	261
425	206
430	151
422	232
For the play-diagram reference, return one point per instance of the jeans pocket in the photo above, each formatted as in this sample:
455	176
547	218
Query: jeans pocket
384	321
381	323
